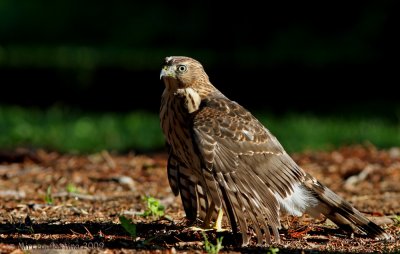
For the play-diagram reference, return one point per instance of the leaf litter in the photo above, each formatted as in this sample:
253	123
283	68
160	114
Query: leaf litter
65	201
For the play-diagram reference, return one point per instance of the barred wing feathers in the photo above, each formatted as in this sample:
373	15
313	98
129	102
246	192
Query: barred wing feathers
250	167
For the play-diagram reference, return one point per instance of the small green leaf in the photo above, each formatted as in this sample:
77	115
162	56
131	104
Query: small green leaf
397	220
154	208
272	250
212	248
128	225
49	197
71	188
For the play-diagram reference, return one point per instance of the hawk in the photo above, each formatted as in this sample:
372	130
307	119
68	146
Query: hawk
222	160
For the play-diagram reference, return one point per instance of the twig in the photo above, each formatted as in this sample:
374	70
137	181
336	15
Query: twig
12	193
79	196
109	160
355	179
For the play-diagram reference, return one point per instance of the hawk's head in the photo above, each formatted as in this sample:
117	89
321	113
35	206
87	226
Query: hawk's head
182	72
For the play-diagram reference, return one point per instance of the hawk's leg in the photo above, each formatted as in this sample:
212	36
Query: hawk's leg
207	219
210	211
218	223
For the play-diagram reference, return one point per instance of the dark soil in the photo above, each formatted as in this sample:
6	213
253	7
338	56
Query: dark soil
69	202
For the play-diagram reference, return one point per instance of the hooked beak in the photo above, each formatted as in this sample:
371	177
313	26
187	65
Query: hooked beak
167	71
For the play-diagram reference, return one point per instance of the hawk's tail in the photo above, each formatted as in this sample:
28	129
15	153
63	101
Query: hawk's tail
341	212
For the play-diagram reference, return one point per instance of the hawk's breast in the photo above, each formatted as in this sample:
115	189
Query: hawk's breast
176	125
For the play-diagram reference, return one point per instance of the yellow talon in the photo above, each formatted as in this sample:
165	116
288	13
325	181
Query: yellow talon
198	229
218	223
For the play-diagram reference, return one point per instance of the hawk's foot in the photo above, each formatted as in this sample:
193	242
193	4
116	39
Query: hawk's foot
194	228
217	226
218	223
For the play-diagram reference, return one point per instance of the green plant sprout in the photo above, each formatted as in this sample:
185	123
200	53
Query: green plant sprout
48	198
71	188
212	248
397	220
272	250
154	208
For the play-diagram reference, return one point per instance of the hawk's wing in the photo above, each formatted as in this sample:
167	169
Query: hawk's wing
252	171
183	181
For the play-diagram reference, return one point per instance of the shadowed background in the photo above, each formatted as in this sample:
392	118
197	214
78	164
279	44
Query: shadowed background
90	70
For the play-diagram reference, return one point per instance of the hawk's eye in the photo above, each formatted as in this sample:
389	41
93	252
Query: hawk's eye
182	68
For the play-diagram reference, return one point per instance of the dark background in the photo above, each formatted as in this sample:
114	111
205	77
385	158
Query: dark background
324	58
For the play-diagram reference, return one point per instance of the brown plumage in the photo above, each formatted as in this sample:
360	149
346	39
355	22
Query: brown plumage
222	157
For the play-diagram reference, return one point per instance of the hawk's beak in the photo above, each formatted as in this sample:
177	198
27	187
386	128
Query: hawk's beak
167	71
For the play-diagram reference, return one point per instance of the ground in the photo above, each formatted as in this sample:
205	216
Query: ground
63	202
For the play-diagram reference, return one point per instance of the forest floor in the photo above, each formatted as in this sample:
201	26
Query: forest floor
63	202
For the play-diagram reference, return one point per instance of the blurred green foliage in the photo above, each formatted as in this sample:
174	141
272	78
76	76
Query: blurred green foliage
299	132
134	34
73	42
81	57
69	130
70	50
